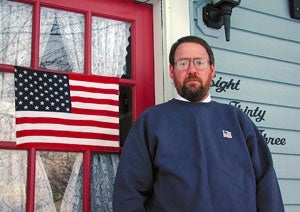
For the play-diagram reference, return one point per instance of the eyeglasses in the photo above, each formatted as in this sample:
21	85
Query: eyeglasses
184	64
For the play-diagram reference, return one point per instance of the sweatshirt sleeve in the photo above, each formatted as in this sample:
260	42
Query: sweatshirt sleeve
134	177
268	195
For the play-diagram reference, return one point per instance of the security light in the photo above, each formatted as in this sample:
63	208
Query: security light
217	13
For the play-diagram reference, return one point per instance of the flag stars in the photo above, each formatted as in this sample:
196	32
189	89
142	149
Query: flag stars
37	90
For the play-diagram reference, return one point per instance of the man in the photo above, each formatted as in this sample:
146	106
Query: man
192	153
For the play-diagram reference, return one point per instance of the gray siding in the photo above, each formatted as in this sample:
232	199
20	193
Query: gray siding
261	66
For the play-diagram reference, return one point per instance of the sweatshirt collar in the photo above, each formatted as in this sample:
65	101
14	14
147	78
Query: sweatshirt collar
206	100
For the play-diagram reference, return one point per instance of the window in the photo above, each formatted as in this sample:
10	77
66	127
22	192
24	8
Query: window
104	38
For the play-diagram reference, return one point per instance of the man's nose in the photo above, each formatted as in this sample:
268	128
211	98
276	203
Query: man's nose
192	68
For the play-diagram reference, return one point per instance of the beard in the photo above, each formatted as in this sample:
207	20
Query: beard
192	91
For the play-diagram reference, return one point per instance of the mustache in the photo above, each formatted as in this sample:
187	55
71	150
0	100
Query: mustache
192	77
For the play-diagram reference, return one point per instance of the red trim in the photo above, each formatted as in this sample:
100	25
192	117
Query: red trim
142	82
88	43
59	147
35	35
86	181
143	60
68	147
6	68
31	180
7	145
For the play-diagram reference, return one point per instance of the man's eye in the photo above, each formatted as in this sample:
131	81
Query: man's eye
183	63
198	62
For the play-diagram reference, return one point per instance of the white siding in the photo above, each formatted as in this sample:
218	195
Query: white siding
262	62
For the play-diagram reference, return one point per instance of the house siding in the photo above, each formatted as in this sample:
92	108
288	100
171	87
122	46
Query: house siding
258	70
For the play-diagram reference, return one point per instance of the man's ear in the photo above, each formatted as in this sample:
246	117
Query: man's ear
171	71
213	70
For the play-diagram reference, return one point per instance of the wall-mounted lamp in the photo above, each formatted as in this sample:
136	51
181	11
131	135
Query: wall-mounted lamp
295	9
217	14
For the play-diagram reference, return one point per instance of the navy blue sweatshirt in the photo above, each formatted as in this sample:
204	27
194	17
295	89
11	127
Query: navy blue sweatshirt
183	156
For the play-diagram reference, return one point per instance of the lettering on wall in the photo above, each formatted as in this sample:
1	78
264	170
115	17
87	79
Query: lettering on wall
223	85
256	112
272	140
259	115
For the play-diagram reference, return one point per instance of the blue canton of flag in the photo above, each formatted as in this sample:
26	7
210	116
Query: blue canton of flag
226	134
42	91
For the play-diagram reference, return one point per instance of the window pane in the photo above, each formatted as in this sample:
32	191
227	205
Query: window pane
104	168
13	169
110	39
58	181
15	33
7	107
62	40
125	112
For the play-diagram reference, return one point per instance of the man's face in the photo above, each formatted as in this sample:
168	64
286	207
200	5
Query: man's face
192	83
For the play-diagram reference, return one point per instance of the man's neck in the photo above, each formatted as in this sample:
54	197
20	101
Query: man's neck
205	100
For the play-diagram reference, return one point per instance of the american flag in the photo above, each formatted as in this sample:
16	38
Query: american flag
66	109
226	134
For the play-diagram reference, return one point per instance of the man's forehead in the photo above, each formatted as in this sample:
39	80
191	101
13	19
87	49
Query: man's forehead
190	48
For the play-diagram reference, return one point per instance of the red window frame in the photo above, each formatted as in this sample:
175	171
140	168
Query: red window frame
142	63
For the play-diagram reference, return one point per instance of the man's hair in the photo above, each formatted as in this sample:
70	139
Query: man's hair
191	39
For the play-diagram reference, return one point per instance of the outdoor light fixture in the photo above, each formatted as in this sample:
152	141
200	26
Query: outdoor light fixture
295	9
217	13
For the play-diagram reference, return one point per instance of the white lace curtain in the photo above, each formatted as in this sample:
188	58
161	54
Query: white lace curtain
15	36
71	28
109	43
